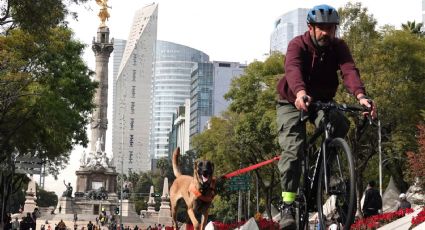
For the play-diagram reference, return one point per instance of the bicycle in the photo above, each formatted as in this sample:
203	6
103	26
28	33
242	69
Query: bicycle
329	179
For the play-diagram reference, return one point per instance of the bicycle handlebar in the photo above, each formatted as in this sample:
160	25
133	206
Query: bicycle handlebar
318	105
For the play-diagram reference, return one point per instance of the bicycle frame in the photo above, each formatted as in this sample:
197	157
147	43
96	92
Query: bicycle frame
308	188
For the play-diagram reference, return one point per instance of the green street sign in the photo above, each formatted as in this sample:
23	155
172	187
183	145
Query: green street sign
239	183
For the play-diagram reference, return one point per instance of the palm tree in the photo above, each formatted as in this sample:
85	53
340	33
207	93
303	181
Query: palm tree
412	27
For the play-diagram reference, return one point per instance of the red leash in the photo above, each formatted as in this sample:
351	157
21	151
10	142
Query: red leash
249	168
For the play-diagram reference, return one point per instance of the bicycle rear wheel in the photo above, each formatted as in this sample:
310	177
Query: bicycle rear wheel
339	202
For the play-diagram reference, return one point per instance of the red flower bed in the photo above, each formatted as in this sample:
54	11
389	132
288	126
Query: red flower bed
420	218
377	221
223	226
261	222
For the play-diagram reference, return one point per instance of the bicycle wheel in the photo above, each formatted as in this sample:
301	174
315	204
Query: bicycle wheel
339	202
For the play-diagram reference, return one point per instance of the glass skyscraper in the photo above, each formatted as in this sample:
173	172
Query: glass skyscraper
286	27
171	86
201	96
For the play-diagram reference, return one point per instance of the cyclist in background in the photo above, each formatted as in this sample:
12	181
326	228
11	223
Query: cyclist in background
311	65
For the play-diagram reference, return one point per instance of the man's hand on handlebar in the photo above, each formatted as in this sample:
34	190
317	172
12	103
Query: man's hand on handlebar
302	101
368	103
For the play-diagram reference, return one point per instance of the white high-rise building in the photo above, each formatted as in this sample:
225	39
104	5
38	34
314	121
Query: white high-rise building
172	81
132	94
286	27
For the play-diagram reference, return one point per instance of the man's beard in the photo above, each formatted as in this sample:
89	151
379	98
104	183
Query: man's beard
324	41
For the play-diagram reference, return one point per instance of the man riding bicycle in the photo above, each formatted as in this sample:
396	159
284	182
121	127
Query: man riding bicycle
311	65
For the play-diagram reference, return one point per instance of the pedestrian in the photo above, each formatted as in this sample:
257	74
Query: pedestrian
90	225
312	63
15	224
402	202
372	201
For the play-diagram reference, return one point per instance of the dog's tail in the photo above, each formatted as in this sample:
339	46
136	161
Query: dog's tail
175	162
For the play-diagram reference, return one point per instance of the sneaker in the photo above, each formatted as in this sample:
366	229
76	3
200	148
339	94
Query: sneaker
287	217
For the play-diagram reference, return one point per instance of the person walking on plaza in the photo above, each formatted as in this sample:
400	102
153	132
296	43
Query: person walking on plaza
311	65
90	225
372	201
403	203
15	224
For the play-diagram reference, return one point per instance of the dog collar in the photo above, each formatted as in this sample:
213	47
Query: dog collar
199	195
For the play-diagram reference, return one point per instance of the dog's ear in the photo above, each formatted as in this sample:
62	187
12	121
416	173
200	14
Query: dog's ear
212	167
195	167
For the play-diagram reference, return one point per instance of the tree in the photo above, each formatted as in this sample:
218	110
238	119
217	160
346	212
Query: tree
45	97
413	27
34	16
392	68
164	166
45	87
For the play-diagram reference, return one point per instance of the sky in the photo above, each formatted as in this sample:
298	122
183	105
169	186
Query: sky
226	30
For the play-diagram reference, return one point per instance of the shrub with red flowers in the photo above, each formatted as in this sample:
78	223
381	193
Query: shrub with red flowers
374	222
223	226
420	218
417	160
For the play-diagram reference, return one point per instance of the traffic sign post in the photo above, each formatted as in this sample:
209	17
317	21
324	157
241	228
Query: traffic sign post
28	164
239	183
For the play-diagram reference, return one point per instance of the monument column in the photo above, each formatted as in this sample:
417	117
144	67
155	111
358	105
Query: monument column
102	49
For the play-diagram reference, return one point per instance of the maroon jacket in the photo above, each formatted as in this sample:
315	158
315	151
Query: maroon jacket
307	69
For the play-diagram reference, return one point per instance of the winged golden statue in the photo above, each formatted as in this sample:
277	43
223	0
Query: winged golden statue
103	13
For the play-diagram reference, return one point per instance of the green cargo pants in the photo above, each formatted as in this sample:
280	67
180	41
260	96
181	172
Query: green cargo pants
292	137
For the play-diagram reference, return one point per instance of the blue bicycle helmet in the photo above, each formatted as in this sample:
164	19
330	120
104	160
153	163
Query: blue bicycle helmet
323	14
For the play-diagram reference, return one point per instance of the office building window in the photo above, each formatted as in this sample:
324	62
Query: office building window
134	75
134	59
132	107
131	123
130	157
133	91
131	140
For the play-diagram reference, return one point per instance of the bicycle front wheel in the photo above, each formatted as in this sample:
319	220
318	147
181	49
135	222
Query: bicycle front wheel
337	203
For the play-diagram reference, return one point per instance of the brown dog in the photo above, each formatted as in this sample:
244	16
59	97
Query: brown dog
197	191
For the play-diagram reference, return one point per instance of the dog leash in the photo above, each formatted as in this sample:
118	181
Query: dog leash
250	168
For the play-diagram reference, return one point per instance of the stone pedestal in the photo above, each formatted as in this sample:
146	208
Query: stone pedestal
91	178
30	204
30	198
128	208
165	209
65	204
151	201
